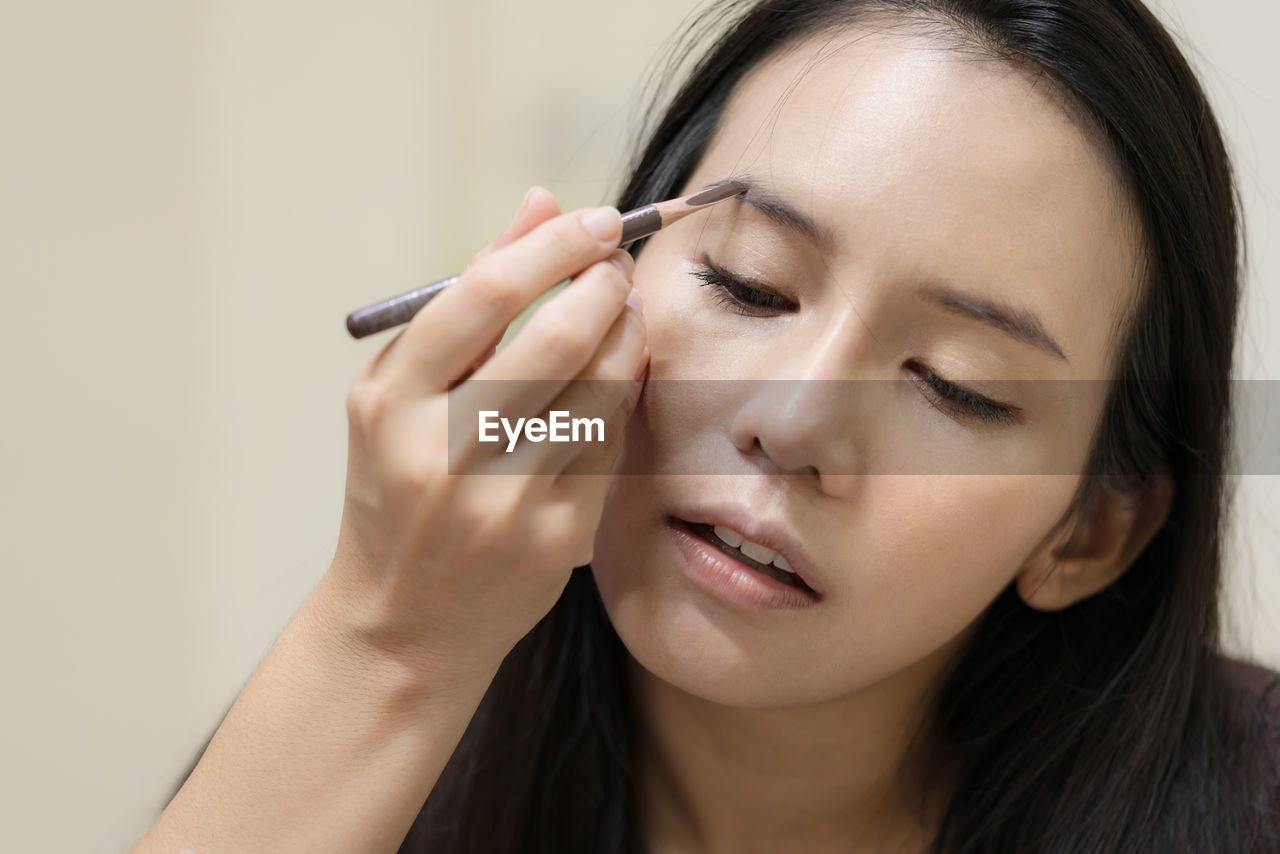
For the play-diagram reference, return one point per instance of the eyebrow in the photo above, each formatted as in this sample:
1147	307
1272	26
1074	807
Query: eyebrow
1019	323
775	208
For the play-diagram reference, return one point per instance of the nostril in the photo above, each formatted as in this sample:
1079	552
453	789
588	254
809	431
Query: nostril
777	461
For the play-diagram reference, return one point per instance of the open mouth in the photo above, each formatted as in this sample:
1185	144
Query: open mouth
708	533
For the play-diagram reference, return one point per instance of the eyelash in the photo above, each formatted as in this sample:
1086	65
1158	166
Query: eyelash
735	294
955	401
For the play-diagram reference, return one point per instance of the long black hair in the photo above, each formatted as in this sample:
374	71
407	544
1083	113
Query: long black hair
1109	726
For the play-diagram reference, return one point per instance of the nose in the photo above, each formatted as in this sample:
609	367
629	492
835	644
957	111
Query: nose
802	420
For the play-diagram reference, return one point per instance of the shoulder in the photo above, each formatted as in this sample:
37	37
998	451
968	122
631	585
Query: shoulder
1249	734
1248	708
1255	689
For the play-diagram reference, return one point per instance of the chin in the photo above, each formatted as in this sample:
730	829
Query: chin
700	646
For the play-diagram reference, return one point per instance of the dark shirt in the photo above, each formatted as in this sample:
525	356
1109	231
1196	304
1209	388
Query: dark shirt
1256	714
1256	680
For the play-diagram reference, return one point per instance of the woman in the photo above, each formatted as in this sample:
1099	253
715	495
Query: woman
1009	229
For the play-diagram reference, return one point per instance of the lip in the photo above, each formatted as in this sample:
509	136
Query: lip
770	534
730	579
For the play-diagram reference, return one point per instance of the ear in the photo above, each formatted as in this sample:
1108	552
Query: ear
1096	547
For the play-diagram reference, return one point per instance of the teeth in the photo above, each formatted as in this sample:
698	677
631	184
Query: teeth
755	551
729	535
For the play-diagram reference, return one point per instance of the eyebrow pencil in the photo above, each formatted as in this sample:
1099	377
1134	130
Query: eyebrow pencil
641	222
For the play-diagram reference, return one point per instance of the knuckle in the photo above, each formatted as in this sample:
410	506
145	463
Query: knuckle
599	396
615	277
607	371
471	518
620	367
593	373
357	399
490	291
490	520
569	237
555	543
366	404
564	342
578	539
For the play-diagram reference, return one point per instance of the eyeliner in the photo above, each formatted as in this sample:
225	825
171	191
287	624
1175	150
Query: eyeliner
638	223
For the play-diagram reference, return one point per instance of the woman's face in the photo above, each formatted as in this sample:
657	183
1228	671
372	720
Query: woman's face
960	226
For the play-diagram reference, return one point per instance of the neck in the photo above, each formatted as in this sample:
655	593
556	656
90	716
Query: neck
835	776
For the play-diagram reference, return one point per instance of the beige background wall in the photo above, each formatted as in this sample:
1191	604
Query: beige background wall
192	196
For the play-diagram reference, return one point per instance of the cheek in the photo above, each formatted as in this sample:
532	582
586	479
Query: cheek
940	549
922	561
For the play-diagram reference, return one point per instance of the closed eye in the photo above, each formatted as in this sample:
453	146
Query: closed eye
740	294
960	403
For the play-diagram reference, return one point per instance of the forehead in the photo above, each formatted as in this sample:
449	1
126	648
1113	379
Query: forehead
927	160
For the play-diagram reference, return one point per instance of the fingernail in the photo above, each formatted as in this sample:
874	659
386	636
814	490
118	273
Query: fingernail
644	364
633	300
604	224
624	262
528	196
524	206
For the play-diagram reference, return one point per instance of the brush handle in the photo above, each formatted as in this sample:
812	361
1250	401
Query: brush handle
401	309
636	224
395	310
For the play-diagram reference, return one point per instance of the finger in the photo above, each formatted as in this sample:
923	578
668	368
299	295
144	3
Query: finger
451	332
371	367
604	389
539	205
584	482
597	299
475	366
561	339
485	250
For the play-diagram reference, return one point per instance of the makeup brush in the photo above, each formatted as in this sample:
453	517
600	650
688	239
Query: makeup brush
636	224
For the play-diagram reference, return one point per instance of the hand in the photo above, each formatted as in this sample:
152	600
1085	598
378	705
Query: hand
455	559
